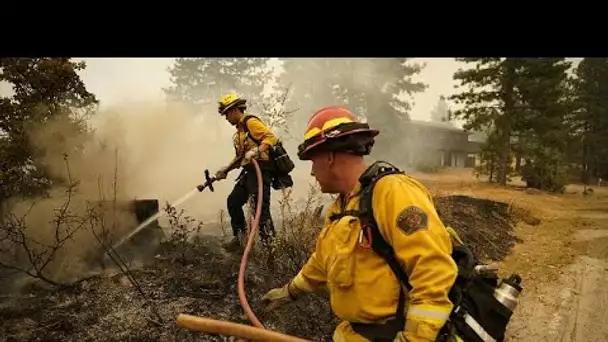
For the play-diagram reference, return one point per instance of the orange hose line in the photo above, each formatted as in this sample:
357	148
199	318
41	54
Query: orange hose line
225	328
255	224
258	331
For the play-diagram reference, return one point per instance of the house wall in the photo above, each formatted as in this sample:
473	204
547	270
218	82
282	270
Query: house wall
436	146
427	144
458	159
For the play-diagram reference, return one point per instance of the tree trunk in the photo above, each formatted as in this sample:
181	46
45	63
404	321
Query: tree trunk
584	168
518	162
519	153
508	85
585	159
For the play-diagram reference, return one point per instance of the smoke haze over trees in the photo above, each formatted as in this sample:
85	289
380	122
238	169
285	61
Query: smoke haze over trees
441	111
531	114
544	123
43	90
202	81
376	89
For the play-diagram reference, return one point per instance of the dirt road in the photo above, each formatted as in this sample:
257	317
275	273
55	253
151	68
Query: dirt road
563	261
575	307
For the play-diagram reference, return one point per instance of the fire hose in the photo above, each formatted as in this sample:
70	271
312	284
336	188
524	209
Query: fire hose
258	331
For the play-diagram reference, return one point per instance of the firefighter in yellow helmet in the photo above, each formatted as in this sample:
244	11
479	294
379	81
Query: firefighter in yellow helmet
251	140
364	292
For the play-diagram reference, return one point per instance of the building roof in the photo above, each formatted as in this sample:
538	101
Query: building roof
440	125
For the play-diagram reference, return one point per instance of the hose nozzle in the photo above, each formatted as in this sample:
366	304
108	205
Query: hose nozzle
208	182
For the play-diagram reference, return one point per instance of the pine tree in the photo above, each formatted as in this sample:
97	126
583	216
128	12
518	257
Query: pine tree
489	158
200	82
542	122
525	103
489	101
591	116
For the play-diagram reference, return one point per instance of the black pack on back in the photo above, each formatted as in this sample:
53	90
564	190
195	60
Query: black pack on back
477	315
283	165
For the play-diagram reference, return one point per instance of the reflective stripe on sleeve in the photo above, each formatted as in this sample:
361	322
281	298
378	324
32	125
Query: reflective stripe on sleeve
428	312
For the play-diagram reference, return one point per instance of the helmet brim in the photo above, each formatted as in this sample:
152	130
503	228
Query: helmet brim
241	103
324	142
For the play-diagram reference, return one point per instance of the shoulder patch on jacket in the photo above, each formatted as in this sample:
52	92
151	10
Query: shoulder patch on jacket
412	219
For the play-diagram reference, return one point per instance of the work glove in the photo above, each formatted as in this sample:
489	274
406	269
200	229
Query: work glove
253	153
279	296
221	174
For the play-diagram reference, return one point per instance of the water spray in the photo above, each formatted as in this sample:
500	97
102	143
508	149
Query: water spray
258	331
154	217
208	184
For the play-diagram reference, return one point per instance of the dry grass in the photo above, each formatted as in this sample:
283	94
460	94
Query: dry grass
547	247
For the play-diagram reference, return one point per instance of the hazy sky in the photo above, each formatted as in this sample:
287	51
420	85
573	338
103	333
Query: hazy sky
134	79
126	79
139	79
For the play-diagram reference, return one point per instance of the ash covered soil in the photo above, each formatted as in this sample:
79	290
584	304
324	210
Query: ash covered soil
107	307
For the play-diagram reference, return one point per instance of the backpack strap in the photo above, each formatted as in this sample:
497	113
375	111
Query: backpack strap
337	216
379	245
246	129
369	225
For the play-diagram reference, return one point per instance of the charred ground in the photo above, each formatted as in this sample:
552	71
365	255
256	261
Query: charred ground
201	280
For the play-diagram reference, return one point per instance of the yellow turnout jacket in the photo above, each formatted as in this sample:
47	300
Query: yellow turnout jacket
361	285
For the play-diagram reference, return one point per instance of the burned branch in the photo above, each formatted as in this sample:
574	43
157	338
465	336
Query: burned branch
97	221
182	229
24	253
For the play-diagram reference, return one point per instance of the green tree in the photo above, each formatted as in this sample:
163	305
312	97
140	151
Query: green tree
525	103
488	100
200	82
591	116
542	125
43	89
488	157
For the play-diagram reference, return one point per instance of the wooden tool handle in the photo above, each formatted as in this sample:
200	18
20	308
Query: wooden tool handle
248	332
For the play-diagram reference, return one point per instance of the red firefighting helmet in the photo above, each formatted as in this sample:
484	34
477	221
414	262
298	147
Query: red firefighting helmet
336	129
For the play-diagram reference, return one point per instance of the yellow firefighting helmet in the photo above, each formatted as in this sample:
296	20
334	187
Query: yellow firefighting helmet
229	101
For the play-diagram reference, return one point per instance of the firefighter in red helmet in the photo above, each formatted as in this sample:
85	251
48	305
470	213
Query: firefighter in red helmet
365	293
